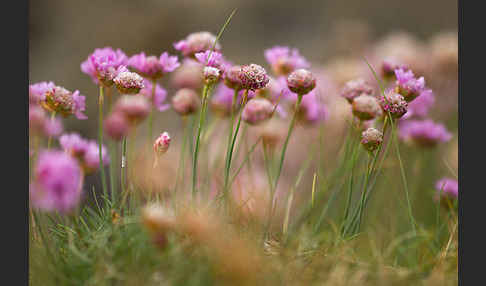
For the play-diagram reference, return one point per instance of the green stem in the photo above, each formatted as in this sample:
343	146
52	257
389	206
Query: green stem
123	170
113	160
202	117
151	114
100	141
363	193
181	166
49	140
230	136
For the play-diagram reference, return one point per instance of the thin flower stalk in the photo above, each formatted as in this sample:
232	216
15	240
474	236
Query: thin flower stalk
100	140
202	118
49	140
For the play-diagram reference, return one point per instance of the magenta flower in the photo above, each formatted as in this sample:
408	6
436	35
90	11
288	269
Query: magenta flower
37	91
62	101
128	82
91	159
40	124
58	182
447	187
73	144
253	77
420	106
153	67
161	144
186	101
285	60
160	95
210	59
393	103
389	66
407	85
312	110
197	42
257	110
222	99
103	65
85	151
424	133
189	75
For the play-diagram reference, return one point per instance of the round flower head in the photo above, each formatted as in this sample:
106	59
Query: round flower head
210	59
355	88
211	75
40	124
253	77
57	182
189	75
388	68
37	91
366	107
185	101
447	187
394	103
371	139
407	85
62	101
284	60
116	126
134	108
312	110
420	106
161	144
103	65
232	77
197	42
424	133
160	95
301	81
153	67
128	82
257	110
73	144
91	158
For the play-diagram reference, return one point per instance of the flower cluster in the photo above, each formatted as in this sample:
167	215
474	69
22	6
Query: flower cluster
153	67
408	85
87	152
62	101
284	60
103	65
159	97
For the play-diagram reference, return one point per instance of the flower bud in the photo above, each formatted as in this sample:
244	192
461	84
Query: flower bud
211	75
256	111
232	78
161	144
301	81
394	103
135	108
366	107
128	82
253	77
355	88
185	101
371	138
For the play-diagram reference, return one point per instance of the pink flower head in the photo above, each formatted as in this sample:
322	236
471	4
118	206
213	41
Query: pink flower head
424	133
128	82
62	101
394	103
447	187
285	60
253	77
389	66
222	99
73	144
185	101
40	124
407	85
189	75
371	139
420	106
312	110
134	108
232	77
301	81
91	159
210	59
160	95
103	65
85	151
37	91
197	42
355	88
257	110
366	107
153	67
161	144
57	182
211	75
116	126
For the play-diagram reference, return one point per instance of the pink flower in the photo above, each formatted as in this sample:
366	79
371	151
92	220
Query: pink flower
420	106
210	59
116	126
301	81
40	124
253	77
189	75
371	139
447	187
58	182
185	101
128	82
160	95
161	144
85	151
407	85
37	91
62	101
285	60
197	42
424	133
153	67
257	110
103	65
394	103
134	108
355	88
91	159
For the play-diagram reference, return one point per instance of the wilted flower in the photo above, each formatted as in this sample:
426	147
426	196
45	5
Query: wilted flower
134	108
57	182
40	124
161	144
197	42
128	82
257	110
355	88
103	65
371	139
394	103
285	60
185	101
188	75
420	106
407	85
160	95
447	187
253	77
301	81
116	126
366	107
153	67
62	101
424	133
